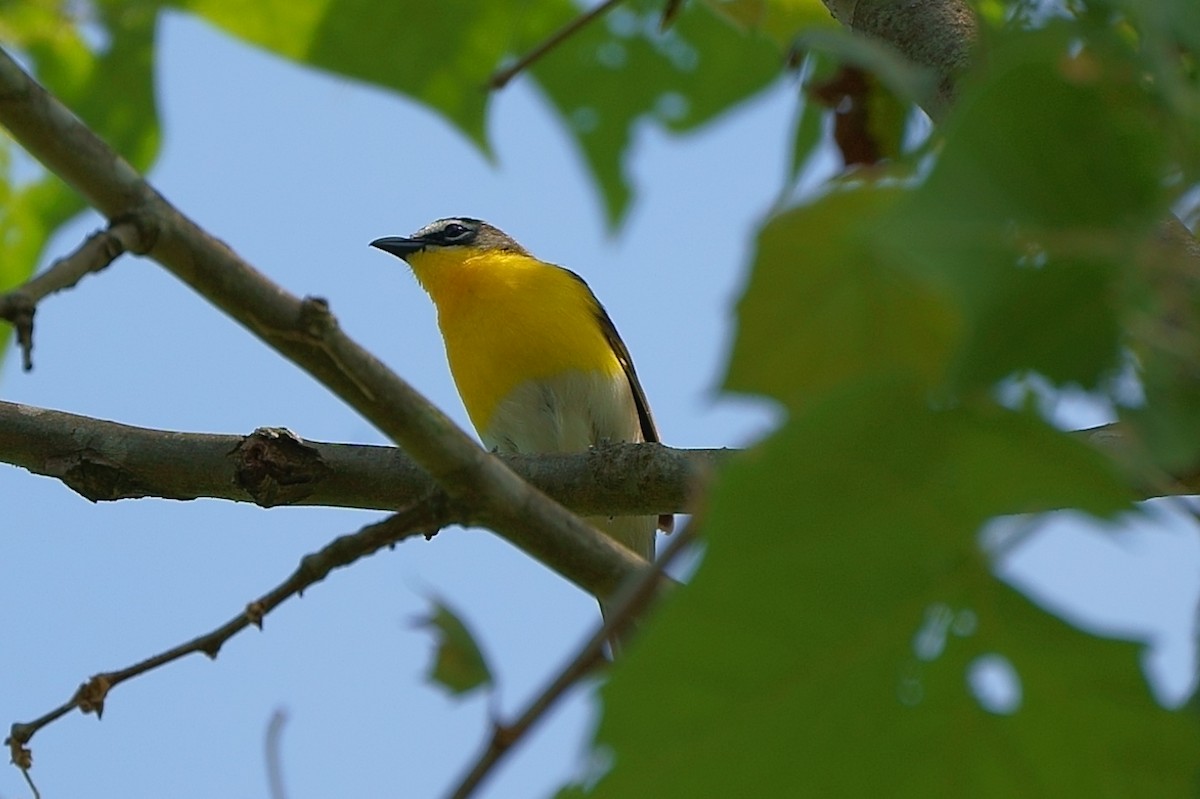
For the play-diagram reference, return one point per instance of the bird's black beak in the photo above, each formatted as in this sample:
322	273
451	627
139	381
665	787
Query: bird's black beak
399	246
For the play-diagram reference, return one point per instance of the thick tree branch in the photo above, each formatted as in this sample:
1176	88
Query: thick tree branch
419	518
306	332
104	461
107	461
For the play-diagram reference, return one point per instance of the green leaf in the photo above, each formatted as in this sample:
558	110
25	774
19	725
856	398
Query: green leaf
458	666
782	20
825	645
1060	320
1164	336
907	82
604	80
620	71
824	307
441	54
1166	34
1057	137
806	137
1049	182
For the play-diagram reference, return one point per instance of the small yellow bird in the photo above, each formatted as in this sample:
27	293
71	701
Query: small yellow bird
536	358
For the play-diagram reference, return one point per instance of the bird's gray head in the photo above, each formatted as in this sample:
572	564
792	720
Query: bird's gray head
454	231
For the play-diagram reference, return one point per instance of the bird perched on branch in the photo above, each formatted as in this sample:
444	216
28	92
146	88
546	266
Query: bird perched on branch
536	358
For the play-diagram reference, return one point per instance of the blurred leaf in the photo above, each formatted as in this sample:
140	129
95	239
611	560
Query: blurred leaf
872	92
1059	320
1014	254
781	20
843	580
1057	137
606	79
1169	421
459	665
1034	234
823	308
440	54
1167	37
806	136
807	657
619	72
908	82
1162	314
1163	327
868	120
603	80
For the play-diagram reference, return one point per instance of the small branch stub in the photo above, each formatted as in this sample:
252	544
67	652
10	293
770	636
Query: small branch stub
255	612
20	754
91	695
275	467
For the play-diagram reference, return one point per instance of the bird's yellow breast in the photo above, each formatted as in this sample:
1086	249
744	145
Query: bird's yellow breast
508	318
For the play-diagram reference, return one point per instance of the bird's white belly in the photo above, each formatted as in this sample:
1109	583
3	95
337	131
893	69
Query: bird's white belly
570	413
565	413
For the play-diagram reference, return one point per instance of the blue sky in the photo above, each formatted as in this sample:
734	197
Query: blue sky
298	171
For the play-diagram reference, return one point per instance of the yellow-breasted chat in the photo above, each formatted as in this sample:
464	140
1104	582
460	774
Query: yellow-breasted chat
537	361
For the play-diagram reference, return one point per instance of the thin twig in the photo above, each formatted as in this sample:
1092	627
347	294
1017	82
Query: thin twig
95	254
630	605
501	77
274	745
670	12
313	568
29	781
22	758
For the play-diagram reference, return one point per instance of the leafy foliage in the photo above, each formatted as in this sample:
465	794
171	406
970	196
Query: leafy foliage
781	20
799	655
622	71
604	81
883	315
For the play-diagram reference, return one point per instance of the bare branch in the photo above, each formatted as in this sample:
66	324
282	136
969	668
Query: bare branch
632	604
104	461
417	519
307	333
96	253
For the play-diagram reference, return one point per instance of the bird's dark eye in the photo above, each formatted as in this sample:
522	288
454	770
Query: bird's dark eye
454	231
